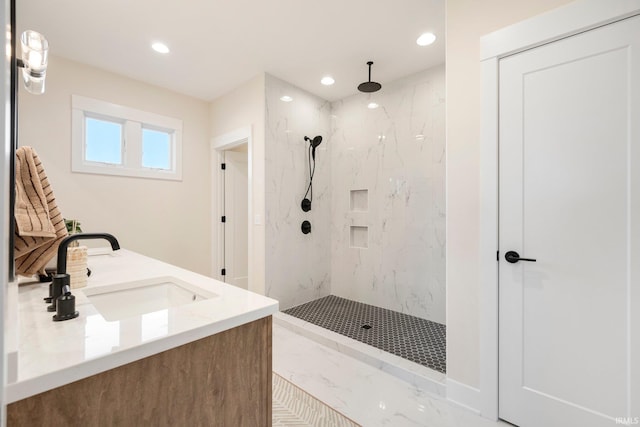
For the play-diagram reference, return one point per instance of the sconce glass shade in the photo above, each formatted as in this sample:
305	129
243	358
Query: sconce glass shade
35	52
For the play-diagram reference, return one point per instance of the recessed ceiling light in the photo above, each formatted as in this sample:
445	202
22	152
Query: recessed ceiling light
286	98
372	105
327	80
160	47
426	39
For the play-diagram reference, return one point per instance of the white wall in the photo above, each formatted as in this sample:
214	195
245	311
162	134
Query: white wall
467	21
245	106
298	265
376	150
167	220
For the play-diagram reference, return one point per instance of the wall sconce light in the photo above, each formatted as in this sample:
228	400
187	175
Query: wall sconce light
35	51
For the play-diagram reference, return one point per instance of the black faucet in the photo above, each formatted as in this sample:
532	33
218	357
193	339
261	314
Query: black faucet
64	245
60	289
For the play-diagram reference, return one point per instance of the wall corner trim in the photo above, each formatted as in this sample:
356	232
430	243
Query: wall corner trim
463	395
564	21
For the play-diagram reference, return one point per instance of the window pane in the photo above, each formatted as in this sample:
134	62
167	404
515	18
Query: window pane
156	149
103	141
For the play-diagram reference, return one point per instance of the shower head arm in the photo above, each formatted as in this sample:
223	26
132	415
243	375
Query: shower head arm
369	86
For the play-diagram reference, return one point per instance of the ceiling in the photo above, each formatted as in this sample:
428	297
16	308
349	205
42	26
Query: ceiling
217	45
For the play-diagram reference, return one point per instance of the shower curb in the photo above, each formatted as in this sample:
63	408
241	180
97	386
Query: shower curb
415	374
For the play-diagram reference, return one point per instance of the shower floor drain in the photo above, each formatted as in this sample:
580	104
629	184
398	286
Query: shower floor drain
418	340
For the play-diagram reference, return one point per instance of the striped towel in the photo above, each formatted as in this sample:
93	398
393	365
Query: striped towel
39	224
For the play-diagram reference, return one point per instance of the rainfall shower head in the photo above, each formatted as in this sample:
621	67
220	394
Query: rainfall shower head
315	141
369	86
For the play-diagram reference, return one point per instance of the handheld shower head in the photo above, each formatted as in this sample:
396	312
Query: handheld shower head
315	141
313	144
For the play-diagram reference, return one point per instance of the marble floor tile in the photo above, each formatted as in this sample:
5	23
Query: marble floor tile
361	392
295	407
412	373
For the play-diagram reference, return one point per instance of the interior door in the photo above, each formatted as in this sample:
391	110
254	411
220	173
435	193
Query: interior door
236	226
570	199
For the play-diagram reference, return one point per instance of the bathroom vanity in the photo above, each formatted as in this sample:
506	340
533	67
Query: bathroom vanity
153	345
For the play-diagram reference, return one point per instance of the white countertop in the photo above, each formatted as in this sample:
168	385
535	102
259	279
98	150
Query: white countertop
52	354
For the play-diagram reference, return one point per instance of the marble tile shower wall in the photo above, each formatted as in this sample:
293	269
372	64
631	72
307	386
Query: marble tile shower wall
388	197
298	266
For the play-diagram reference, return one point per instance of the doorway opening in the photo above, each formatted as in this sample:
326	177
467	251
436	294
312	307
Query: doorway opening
231	210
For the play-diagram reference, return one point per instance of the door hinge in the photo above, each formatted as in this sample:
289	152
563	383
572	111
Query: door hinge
224	218
223	272
223	166
497	255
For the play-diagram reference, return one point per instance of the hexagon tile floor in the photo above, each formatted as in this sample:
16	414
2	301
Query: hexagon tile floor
418	340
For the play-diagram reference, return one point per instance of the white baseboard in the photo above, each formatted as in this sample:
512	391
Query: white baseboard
463	395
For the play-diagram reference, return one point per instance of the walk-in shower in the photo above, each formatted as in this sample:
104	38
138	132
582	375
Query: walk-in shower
373	268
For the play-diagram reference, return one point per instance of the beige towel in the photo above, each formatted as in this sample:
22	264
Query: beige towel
39	224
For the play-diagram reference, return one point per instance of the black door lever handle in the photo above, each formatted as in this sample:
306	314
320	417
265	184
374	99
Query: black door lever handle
513	257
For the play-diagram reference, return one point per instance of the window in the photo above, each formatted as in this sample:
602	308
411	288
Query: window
103	139
156	149
112	139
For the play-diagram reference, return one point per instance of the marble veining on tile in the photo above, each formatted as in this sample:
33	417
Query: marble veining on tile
360	391
297	265
396	152
412	373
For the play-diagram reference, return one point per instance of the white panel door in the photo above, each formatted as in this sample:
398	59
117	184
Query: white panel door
236	228
570	199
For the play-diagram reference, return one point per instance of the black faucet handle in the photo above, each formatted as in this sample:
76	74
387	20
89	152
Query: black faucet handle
66	307
60	281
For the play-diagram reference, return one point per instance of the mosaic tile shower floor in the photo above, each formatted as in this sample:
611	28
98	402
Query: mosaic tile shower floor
418	340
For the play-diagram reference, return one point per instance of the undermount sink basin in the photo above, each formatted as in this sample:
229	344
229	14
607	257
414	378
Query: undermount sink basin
122	300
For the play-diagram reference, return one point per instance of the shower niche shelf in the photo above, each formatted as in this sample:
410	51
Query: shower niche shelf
359	200
359	236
